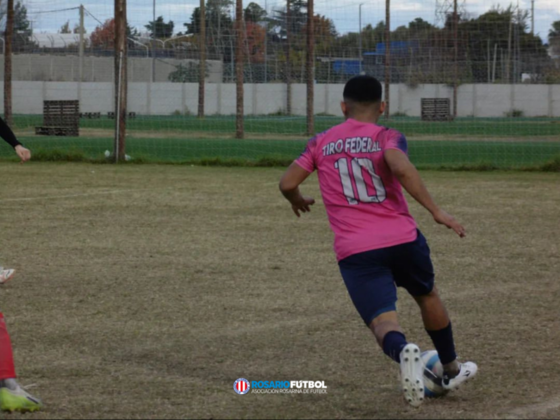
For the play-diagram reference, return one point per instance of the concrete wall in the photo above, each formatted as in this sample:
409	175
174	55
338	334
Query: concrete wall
261	99
65	68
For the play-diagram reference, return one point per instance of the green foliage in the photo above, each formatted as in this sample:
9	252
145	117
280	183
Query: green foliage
65	29
298	19
255	13
159	29
217	18
189	73
551	166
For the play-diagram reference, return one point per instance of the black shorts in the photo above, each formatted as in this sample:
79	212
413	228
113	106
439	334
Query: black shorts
372	277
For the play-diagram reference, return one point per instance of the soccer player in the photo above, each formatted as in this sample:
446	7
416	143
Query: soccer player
362	168
12	396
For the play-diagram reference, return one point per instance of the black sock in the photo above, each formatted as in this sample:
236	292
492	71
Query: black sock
445	346
393	343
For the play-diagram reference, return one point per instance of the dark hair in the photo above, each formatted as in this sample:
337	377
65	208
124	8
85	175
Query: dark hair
363	89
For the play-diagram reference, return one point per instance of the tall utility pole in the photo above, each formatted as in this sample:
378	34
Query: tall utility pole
202	71
456	57
508	60
310	68
8	63
121	85
240	129
82	30
266	47
532	17
387	57
360	55
154	30
288	58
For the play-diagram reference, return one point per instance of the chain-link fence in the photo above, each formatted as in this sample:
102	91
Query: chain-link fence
496	68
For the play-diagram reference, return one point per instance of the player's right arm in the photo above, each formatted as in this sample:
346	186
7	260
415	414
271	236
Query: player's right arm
289	186
410	179
9	137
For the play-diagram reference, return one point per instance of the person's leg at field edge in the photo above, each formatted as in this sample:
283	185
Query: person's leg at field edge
7	368
12	396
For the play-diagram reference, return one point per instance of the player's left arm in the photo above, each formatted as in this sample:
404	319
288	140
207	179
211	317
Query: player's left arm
9	137
289	186
402	168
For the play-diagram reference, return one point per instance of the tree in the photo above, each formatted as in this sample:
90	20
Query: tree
255	13
256	36
104	35
65	29
159	29
325	34
555	31
495	27
217	18
219	27
554	38
298	19
77	29
22	25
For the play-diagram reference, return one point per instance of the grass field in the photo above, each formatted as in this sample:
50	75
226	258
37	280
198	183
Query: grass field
498	142
145	291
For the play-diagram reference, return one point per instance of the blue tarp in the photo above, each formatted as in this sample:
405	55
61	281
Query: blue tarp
349	67
397	48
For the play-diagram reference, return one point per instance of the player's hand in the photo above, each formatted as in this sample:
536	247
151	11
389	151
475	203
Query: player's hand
23	153
303	205
443	218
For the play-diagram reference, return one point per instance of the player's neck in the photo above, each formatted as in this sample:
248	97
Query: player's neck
365	118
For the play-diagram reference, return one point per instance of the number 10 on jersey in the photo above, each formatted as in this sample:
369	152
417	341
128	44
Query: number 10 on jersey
357	178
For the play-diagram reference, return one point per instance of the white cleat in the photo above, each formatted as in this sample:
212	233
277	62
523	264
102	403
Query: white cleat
6	275
468	371
412	375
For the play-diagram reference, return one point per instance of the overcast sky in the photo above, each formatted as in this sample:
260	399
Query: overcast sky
343	12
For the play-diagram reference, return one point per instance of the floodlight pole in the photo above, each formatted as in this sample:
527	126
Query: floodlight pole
154	29
532	17
387	58
360	40
202	68
82	30
310	68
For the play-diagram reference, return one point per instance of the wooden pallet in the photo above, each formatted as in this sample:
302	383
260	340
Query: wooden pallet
436	109
60	118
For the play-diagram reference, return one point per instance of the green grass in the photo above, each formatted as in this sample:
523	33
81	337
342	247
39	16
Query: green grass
466	143
289	125
422	153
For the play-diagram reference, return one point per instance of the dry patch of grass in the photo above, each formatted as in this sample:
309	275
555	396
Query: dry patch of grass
145	291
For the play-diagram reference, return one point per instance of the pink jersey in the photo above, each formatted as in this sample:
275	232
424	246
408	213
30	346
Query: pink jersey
364	200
